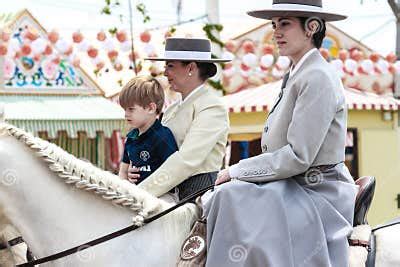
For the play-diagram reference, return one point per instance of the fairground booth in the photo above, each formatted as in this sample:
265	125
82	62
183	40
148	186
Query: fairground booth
44	90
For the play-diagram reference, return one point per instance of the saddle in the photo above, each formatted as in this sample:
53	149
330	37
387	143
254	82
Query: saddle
363	201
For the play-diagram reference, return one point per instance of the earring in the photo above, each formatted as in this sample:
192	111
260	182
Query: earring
190	74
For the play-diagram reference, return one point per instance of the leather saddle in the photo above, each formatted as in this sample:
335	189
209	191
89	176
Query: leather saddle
363	202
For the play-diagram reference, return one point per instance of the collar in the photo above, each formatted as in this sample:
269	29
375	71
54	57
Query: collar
190	95
294	69
134	134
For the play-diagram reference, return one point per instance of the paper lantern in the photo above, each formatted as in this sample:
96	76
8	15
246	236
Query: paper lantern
3	49
228	55
5	36
126	46
350	66
53	36
391	58
56	60
149	49
248	46
343	55
230	45
382	66
356	55
229	72
282	63
92	52
37	57
374	57
244	73
108	44
84	45
366	66
121	36
268	49
244	67
62	45
48	50
13	45
277	73
101	36
100	65
266	61
31	34
145	36
338	66
112	55
38	46
26	49
77	37
250	59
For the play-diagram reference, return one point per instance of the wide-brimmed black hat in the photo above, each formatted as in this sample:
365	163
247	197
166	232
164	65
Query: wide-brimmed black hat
296	8
188	49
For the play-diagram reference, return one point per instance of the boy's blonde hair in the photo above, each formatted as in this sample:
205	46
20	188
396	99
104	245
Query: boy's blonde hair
142	91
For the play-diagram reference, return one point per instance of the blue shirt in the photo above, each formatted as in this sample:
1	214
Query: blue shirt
150	149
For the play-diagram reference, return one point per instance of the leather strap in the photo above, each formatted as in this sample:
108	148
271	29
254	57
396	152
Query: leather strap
12	242
359	243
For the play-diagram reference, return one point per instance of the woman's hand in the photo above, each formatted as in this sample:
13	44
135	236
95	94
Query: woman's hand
223	177
133	175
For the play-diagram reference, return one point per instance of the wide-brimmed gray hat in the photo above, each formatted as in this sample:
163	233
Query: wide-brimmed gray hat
296	8
188	49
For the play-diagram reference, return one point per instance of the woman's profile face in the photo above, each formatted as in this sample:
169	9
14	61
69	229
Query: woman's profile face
177	74
290	37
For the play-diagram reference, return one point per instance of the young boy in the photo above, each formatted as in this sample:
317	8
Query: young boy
148	144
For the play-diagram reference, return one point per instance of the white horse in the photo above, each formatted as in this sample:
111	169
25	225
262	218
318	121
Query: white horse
54	200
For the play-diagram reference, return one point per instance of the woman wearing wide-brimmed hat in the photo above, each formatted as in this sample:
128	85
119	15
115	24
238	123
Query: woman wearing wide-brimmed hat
293	204
199	121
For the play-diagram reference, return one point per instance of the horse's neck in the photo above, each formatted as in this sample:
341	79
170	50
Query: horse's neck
37	199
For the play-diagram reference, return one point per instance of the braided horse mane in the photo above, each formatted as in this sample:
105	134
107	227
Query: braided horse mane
87	177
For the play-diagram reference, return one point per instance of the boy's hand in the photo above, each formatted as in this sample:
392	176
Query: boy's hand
222	177
133	175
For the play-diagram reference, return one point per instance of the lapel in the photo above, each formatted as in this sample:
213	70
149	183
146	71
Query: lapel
177	107
314	57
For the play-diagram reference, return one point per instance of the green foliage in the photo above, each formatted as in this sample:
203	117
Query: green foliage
209	28
216	85
142	10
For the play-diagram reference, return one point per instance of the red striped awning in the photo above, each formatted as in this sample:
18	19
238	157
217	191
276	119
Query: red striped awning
262	98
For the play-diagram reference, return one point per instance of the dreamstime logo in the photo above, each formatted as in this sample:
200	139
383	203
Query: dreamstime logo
237	253
314	25
162	177
314	252
313	177
9	177
85	254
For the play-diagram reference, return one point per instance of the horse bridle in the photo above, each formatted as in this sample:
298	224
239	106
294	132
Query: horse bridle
114	234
